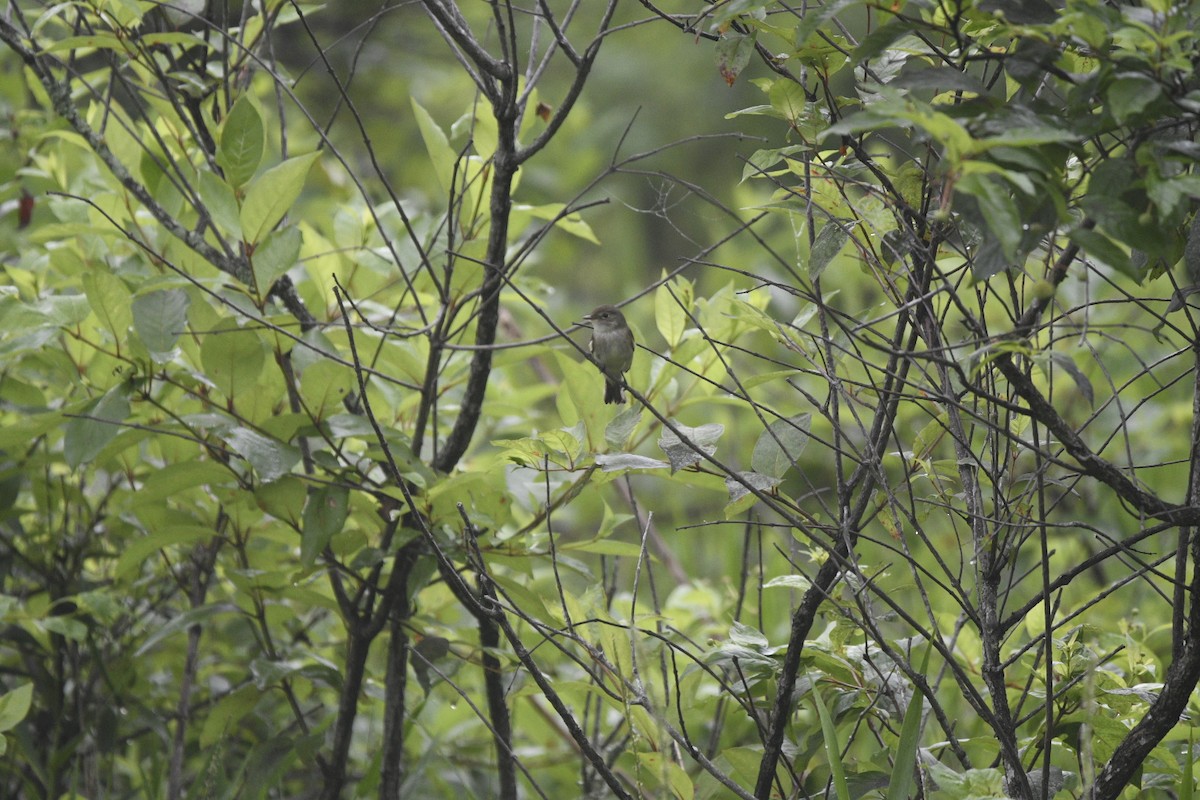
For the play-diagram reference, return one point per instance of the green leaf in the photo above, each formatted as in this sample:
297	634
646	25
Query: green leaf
278	253
227	712
140	548
159	317
997	207
717	16
1188	790
682	454
441	155
243	139
606	547
618	462
1129	95
1171	194
572	223
187	619
881	38
826	246
220	203
733	54
95	425
324	385
669	313
272	194
324	515
740	497
794	582
780	445
1082	382
583	400
787	97
109	298
174	479
617	432
62	310
271	458
233	358
14	705
942	79
905	764
833	749
761	161
283	499
1101	247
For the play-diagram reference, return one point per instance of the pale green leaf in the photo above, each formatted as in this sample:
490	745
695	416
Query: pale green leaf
220	203
233	358
272	194
669	314
159	317
14	705
278	253
95	425
780	445
109	298
441	155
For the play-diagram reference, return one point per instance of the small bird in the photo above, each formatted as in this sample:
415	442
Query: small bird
612	345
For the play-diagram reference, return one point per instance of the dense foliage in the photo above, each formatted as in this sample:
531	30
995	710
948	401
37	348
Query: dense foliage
307	488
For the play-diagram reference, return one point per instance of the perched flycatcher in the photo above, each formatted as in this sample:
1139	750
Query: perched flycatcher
612	345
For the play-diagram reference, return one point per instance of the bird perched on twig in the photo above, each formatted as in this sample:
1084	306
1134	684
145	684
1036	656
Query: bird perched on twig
612	346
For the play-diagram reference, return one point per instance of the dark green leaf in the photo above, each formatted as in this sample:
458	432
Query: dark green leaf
1102	248
997	208
881	39
1082	383
1022	12
814	19
942	79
